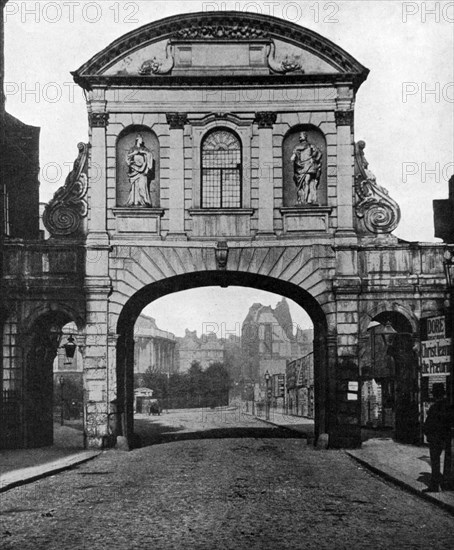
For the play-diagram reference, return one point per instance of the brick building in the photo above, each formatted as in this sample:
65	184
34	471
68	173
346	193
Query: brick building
206	349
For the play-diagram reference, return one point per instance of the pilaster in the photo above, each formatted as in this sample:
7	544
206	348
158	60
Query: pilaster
176	122
96	378
345	173
265	121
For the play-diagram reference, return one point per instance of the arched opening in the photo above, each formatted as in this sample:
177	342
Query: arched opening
389	375
221	184
125	345
68	389
40	348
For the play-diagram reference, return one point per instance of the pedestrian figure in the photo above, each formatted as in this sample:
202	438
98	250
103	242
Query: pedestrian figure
437	429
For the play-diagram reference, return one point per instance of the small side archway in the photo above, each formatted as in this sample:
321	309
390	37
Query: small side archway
39	348
389	373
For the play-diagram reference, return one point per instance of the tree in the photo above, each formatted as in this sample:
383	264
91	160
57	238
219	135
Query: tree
153	379
196	384
217	384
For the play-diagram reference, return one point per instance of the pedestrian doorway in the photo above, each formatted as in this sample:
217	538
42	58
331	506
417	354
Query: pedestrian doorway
389	379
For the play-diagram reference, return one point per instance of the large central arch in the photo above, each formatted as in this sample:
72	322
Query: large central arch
154	291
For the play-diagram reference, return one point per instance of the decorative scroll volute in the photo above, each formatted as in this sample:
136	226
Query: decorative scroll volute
159	66
64	213
378	212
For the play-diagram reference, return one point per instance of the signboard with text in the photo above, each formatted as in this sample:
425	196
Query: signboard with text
436	349
436	356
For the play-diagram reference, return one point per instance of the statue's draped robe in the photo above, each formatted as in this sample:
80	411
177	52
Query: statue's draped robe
306	172
140	162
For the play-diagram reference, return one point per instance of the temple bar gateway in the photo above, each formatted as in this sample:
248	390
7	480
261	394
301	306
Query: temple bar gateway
221	152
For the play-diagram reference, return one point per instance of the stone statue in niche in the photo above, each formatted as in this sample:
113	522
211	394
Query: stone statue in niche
307	168
140	167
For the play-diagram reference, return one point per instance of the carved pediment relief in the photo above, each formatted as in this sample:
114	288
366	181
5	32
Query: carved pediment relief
215	43
203	57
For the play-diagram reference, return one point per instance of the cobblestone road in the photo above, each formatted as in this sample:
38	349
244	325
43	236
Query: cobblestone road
215	481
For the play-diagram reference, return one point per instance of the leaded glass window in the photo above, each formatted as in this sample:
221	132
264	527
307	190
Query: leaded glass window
221	170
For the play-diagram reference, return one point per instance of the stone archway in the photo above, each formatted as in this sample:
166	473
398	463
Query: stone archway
39	351
390	374
154	291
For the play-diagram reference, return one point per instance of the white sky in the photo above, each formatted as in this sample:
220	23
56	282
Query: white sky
215	309
404	45
405	139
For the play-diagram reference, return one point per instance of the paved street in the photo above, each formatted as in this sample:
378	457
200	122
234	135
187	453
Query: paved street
215	480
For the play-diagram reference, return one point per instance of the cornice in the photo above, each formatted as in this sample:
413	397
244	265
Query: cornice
89	82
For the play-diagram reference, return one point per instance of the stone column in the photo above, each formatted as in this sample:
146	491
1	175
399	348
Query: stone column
176	123
345	172
98	120
345	427
265	121
98	239
153	352
114	420
96	390
97	282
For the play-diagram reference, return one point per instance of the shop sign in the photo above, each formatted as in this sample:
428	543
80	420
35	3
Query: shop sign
436	349
436	327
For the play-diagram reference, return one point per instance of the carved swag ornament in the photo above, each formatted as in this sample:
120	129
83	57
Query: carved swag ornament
64	213
233	31
378	211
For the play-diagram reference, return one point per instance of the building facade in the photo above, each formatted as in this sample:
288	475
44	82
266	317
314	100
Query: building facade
221	152
154	349
268	341
206	350
300	386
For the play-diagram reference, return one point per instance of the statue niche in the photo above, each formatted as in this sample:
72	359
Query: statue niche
304	168
138	168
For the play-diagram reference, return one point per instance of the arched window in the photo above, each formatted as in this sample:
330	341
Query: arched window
221	170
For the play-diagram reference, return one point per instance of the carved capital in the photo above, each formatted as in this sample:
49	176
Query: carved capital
344	118
265	119
176	121
98	120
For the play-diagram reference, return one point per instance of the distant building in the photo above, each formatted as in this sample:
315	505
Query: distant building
300	386
153	348
207	349
268	341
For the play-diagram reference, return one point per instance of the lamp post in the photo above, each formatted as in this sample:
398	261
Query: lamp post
61	380
70	347
267	401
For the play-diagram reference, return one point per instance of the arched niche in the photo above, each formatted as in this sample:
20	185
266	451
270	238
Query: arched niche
126	140
291	140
